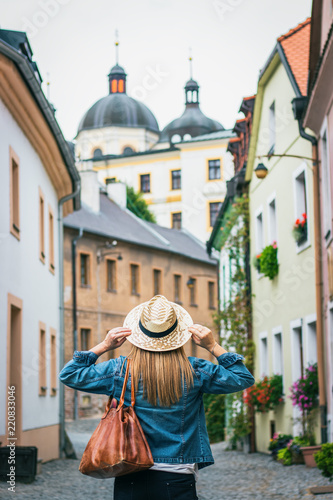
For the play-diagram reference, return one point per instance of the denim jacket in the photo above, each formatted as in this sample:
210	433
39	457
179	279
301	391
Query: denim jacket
176	434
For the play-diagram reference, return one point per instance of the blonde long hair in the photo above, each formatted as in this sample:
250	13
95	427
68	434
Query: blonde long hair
163	374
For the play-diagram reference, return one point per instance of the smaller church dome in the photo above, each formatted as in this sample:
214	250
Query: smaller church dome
193	121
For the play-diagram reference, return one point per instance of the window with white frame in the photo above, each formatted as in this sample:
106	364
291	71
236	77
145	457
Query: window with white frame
311	342
327	215
272	220
272	127
259	231
278	352
301	202
298	351
263	353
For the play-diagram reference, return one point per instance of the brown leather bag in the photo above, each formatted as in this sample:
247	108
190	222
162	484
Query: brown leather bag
118	445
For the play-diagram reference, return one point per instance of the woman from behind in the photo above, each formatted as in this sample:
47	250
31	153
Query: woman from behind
169	388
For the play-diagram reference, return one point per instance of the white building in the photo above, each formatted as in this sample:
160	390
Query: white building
37	170
181	171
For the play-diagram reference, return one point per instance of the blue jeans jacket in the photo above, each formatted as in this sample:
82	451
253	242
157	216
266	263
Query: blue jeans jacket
176	434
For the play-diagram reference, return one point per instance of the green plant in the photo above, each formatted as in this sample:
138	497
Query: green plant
214	405
278	441
266	394
285	455
137	204
269	265
324	460
235	317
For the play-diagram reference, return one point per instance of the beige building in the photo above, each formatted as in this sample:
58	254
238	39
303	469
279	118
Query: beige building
122	261
284	308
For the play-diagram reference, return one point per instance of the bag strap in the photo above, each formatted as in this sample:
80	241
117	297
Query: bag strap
122	397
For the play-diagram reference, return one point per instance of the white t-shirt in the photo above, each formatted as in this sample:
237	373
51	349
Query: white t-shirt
181	468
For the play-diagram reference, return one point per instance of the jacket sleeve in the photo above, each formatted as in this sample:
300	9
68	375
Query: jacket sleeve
230	375
83	374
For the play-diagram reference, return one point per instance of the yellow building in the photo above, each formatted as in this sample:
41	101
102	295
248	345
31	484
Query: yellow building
181	171
284	312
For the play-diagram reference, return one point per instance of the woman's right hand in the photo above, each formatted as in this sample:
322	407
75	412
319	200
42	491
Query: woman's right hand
202	336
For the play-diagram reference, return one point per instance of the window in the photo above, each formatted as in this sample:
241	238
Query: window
85	339
298	348
272	126
114	86
53	361
211	294
85	269
97	153
51	239
111	275
42	359
41	227
311	343
134	268
300	193
14	195
177	288
110	180
214	209
145	183
214	169
176	179
157	278
278	353
128	150
177	220
193	292
272	224
326	186
259	232
263	355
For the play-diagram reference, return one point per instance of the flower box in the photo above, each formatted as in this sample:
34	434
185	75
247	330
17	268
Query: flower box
300	230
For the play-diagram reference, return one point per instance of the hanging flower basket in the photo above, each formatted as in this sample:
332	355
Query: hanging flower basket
300	230
269	265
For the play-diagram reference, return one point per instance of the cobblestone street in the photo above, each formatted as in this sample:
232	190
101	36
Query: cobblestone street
235	475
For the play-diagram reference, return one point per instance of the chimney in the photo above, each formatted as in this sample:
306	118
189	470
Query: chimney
90	188
117	192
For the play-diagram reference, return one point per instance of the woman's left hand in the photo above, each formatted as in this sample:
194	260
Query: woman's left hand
116	337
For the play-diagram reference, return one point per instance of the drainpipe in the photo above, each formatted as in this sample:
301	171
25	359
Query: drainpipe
74	240
299	105
61	311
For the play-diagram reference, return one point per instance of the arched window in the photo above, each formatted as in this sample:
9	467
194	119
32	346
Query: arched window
187	137
97	153
176	138
114	86
128	150
195	96
121	86
189	96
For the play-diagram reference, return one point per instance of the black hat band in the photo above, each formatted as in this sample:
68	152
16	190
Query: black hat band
158	335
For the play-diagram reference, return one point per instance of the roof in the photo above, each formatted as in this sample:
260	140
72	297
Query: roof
15	46
221	134
121	224
170	149
296	46
119	110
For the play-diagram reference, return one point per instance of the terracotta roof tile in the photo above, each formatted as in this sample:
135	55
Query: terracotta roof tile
296	46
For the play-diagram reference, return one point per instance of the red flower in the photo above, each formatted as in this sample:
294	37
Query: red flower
297	221
304	216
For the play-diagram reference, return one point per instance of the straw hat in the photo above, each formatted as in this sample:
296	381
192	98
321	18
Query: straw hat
158	325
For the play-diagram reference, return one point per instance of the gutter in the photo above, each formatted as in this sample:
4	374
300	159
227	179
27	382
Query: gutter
299	105
62	200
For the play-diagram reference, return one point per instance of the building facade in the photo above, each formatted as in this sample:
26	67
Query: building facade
181	171
37	171
319	119
284	307
122	261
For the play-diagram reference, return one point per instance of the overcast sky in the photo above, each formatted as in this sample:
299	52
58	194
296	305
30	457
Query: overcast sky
73	41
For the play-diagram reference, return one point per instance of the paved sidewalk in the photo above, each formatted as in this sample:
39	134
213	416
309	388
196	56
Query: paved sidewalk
235	476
